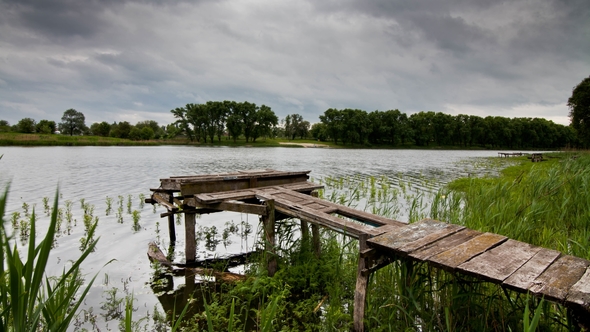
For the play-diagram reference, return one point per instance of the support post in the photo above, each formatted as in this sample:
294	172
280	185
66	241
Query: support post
304	235
269	237
171	226
315	234
360	292
189	234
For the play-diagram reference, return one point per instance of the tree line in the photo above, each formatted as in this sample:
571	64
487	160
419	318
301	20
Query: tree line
214	118
74	123
393	128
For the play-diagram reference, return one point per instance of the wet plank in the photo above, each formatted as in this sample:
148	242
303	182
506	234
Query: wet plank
559	277
523	278
500	262
580	291
444	244
404	240
456	256
306	214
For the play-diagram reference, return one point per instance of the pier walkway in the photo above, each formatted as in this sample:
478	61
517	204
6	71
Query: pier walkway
275	195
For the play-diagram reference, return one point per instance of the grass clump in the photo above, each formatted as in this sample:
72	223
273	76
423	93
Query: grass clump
29	299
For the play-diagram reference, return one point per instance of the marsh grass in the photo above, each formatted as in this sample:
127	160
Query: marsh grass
29	299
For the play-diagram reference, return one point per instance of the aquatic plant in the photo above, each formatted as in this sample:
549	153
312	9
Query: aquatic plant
30	300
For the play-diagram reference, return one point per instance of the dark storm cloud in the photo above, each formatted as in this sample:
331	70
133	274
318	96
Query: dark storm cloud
136	60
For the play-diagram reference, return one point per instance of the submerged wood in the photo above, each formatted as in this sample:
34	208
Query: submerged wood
156	255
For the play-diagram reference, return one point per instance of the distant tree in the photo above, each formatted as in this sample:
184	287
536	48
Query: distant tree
4	126
579	104
100	129
319	131
134	134
120	130
234	126
146	133
72	122
46	127
266	119
26	125
148	123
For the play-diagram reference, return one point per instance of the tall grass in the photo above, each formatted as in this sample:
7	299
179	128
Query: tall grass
29	299
546	205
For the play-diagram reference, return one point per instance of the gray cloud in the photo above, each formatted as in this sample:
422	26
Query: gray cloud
136	60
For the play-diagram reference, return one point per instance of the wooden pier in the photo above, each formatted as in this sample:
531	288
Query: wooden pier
274	195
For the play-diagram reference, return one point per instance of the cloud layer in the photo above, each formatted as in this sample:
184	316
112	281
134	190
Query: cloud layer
136	60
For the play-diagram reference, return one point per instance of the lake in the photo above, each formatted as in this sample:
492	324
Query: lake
123	173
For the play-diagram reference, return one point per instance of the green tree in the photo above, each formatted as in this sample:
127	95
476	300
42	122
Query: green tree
319	132
4	126
266	119
579	104
235	126
120	130
72	122
135	134
26	125
46	127
100	129
146	133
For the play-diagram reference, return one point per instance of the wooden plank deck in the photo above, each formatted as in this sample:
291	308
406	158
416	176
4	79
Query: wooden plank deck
521	266
516	265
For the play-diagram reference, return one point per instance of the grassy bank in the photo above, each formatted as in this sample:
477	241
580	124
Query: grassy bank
18	139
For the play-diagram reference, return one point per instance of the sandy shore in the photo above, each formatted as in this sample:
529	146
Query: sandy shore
307	145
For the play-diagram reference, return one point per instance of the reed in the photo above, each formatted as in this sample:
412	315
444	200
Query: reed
29	299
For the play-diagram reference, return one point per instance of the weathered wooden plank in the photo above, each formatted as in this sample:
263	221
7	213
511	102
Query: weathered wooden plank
163	199
360	291
383	229
338	224
238	182
316	206
249	193
220	197
580	291
500	262
523	278
358	215
555	282
404	240
190	249
291	198
234	206
366	217
444	244
456	256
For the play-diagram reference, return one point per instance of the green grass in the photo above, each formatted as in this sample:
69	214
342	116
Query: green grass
29	299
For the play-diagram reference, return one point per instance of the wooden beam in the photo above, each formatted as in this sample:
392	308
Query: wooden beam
360	292
268	221
234	206
189	235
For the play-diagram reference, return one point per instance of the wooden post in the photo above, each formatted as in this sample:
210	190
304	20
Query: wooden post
304	235
189	235
360	292
171	226
315	234
269	235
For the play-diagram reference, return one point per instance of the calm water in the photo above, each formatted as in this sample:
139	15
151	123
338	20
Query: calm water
93	173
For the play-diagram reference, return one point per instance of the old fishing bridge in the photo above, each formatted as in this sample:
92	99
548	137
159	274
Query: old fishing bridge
276	195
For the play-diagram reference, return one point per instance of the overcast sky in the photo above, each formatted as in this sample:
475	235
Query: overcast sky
130	61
